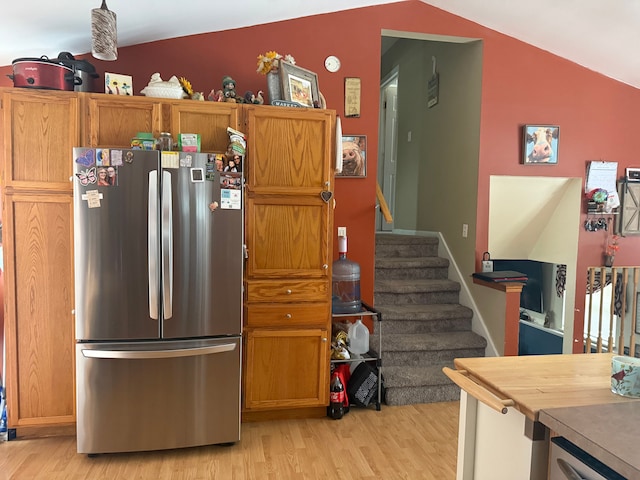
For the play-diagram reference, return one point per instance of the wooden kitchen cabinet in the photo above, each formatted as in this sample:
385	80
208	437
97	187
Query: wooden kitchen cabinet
38	131
112	120
287	368
288	225
209	119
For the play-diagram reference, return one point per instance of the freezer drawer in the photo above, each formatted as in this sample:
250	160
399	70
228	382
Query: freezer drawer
569	462
157	395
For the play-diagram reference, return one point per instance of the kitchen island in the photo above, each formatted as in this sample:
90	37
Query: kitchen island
500	436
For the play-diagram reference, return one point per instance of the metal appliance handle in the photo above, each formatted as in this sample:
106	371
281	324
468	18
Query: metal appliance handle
568	471
146	354
167	246
152	244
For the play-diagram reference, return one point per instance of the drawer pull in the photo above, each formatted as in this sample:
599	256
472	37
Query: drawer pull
288	292
477	391
288	315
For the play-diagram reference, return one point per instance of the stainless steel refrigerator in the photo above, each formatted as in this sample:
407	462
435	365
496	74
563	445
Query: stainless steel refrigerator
158	240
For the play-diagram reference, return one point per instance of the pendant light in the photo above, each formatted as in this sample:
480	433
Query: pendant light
104	35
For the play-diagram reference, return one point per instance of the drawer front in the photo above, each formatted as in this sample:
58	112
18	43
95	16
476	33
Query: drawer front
293	291
287	315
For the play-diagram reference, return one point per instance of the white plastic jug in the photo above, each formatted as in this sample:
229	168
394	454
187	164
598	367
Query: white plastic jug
358	335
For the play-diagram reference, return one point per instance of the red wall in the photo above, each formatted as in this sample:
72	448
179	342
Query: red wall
521	84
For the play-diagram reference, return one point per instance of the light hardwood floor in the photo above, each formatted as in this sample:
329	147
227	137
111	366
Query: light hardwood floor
408	442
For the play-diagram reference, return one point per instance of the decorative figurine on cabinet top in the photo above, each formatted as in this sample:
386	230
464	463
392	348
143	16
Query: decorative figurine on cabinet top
229	89
258	99
163	89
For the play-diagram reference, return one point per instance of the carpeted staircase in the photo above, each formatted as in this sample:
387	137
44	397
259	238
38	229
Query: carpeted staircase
423	326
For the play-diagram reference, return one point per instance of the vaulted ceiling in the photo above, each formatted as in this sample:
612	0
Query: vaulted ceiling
599	35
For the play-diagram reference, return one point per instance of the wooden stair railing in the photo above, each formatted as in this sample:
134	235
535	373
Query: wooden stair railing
383	204
618	315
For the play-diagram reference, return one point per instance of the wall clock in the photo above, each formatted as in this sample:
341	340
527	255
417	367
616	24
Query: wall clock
332	63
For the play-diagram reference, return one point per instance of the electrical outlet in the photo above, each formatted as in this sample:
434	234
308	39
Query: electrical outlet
342	231
465	230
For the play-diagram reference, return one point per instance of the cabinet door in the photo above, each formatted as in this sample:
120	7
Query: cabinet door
287	237
289	150
40	129
39	323
286	368
209	119
113	120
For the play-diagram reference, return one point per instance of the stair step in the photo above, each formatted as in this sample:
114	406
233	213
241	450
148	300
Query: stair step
429	349
415	376
407	385
431	342
390	245
415	291
412	267
397	239
447	317
397	396
423	312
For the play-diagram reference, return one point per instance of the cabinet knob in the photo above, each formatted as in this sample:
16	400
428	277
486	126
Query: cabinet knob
324	339
288	315
325	266
288	292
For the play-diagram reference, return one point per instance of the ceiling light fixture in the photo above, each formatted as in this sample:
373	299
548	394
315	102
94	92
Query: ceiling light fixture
104	35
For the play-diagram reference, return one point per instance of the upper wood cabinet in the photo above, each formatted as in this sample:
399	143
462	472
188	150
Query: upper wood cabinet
113	120
209	119
40	128
290	150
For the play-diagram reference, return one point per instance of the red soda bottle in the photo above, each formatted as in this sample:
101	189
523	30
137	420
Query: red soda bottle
336	407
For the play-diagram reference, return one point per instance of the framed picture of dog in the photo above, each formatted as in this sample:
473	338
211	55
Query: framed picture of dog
540	144
354	156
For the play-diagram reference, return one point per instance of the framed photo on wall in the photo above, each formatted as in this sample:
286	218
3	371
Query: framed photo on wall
354	156
299	85
540	144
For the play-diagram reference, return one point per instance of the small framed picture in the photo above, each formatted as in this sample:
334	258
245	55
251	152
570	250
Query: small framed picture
354	156
633	174
540	144
299	85
116	84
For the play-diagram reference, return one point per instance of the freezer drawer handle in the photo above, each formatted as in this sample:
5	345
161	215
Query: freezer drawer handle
477	391
145	354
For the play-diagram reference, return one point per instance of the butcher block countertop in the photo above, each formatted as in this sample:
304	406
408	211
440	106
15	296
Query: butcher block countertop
536	382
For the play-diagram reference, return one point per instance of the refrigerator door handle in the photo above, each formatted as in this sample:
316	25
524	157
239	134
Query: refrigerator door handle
152	244
167	246
146	354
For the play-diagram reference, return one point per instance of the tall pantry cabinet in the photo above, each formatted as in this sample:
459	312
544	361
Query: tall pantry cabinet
39	130
288	218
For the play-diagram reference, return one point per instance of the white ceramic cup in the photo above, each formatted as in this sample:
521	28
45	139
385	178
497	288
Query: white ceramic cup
625	376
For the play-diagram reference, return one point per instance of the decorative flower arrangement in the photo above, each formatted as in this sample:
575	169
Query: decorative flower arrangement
612	245
270	61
